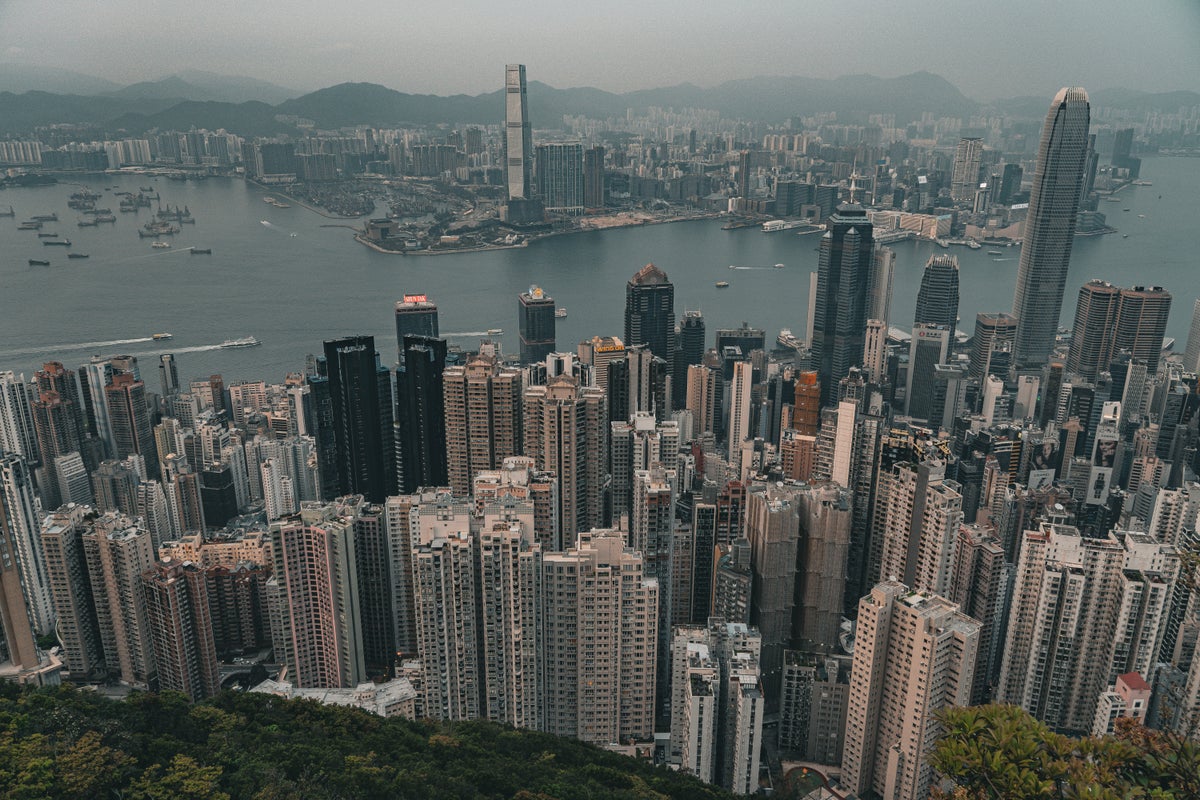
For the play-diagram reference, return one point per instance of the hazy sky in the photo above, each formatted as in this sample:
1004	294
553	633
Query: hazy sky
988	48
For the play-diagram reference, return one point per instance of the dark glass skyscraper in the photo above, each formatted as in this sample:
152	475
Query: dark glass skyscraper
420	415
650	312
937	299
361	414
1050	226
844	270
536	325
416	315
689	350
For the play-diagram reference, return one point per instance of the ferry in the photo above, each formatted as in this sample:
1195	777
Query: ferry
722	284
560	313
77	255
158	337
248	341
34	262
161	245
495	331
789	340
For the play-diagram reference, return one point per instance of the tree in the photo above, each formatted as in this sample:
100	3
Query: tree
1002	753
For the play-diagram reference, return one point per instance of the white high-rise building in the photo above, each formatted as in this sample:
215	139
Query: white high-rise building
922	515
19	521
914	654
518	135
740	389
17	432
601	637
444	601
1084	611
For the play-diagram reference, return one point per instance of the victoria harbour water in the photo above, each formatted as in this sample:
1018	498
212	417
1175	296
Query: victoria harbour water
280	276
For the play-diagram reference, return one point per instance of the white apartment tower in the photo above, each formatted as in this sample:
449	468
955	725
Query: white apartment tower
914	655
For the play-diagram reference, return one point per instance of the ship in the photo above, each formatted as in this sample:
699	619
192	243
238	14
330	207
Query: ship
782	225
201	251
158	337
789	340
47	235
88	223
58	242
495	331
248	341
779	266
45	217
1143	182
34	262
993	252
30	226
77	255
161	245
974	245
722	284
560	313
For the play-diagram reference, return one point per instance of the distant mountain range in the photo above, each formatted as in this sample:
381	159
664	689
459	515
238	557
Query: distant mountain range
252	107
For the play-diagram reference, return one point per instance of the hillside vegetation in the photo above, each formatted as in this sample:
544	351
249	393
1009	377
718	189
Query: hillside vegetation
68	743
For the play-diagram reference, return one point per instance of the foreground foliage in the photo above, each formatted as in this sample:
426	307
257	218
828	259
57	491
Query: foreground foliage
67	743
1002	753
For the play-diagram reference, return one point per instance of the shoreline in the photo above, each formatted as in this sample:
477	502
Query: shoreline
534	239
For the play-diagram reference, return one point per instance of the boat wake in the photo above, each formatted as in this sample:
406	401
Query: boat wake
62	348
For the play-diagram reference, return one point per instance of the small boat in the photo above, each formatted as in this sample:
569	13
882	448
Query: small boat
974	245
993	252
1124	209
263	222
560	313
779	266
158	337
1141	216
1124	235
161	245
47	235
248	341
495	331
33	262
722	284
268	199
77	255
201	251
57	242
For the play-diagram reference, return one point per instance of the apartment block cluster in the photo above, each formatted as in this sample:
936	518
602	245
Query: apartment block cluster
655	541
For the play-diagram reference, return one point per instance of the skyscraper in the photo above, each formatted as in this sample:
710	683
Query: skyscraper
71	590
994	335
914	654
420	415
593	178
180	622
482	402
129	416
313	598
536	325
927	348
17	434
1191	357
1109	320
19	524
689	350
937	299
1050	225
601	637
518	135
566	432
844	275
965	178
117	551
650	312
560	177
360	400
416	315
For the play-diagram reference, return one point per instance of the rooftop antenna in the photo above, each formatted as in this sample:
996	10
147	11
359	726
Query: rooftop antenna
853	182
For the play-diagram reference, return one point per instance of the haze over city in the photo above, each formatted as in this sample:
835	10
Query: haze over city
987	49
